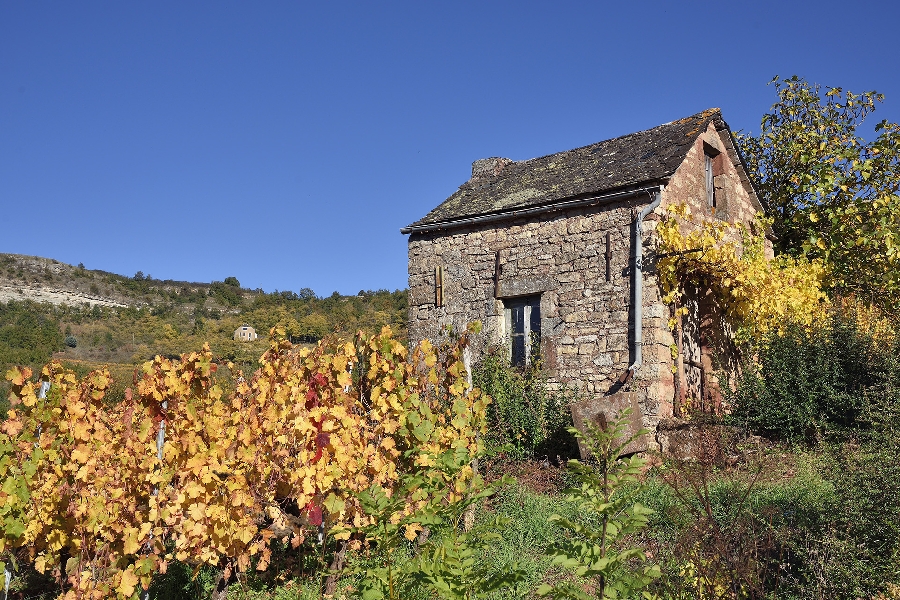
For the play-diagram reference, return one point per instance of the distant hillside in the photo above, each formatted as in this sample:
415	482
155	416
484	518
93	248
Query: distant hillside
90	316
47	280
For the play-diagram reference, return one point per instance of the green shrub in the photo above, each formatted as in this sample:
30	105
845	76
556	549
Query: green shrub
830	528
526	418
228	295
450	560
604	554
810	382
183	582
28	334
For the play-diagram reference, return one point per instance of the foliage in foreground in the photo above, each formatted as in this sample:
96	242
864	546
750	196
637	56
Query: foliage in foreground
450	562
836	387
841	376
755	295
87	496
601	553
526	419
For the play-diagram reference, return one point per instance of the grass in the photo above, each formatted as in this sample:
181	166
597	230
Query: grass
527	505
524	539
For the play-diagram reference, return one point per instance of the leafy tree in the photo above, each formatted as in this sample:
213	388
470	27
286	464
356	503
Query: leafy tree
233	281
831	194
224	293
28	334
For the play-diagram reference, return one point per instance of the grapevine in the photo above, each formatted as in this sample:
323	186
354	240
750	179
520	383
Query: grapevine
86	496
755	294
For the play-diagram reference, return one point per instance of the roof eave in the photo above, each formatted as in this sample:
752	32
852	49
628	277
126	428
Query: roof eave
554	206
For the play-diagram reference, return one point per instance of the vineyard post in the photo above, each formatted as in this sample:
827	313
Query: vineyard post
469	516
7	575
161	437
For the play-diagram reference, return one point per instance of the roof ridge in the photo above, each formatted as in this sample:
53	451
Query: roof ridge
704	114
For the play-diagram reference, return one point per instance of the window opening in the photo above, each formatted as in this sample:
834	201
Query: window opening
497	271
710	184
608	255
523	326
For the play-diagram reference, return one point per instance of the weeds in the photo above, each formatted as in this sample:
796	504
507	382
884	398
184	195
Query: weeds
600	552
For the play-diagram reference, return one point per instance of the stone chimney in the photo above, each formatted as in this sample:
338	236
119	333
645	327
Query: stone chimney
489	167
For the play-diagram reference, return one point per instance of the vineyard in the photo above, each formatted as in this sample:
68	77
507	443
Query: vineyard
358	469
105	496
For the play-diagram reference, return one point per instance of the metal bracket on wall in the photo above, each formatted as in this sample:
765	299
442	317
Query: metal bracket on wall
439	286
497	268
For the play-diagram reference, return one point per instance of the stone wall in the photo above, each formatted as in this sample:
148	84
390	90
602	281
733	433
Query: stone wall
702	358
585	337
688	184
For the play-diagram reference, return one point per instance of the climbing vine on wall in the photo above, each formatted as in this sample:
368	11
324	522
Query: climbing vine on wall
755	294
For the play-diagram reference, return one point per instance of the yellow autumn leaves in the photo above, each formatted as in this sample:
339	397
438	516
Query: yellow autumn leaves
78	467
308	431
755	294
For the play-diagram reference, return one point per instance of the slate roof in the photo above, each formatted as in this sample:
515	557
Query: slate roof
623	162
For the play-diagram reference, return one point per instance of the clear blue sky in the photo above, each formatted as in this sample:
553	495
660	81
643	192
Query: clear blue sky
286	143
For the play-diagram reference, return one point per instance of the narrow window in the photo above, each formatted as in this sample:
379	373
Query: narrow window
497	268
710	184
523	326
517	334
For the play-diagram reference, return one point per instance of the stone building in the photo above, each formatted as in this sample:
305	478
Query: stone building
543	253
244	333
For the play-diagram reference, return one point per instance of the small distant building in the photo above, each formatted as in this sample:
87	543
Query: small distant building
244	333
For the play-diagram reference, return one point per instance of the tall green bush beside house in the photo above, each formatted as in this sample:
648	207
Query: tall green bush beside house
527	419
835	389
806	383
